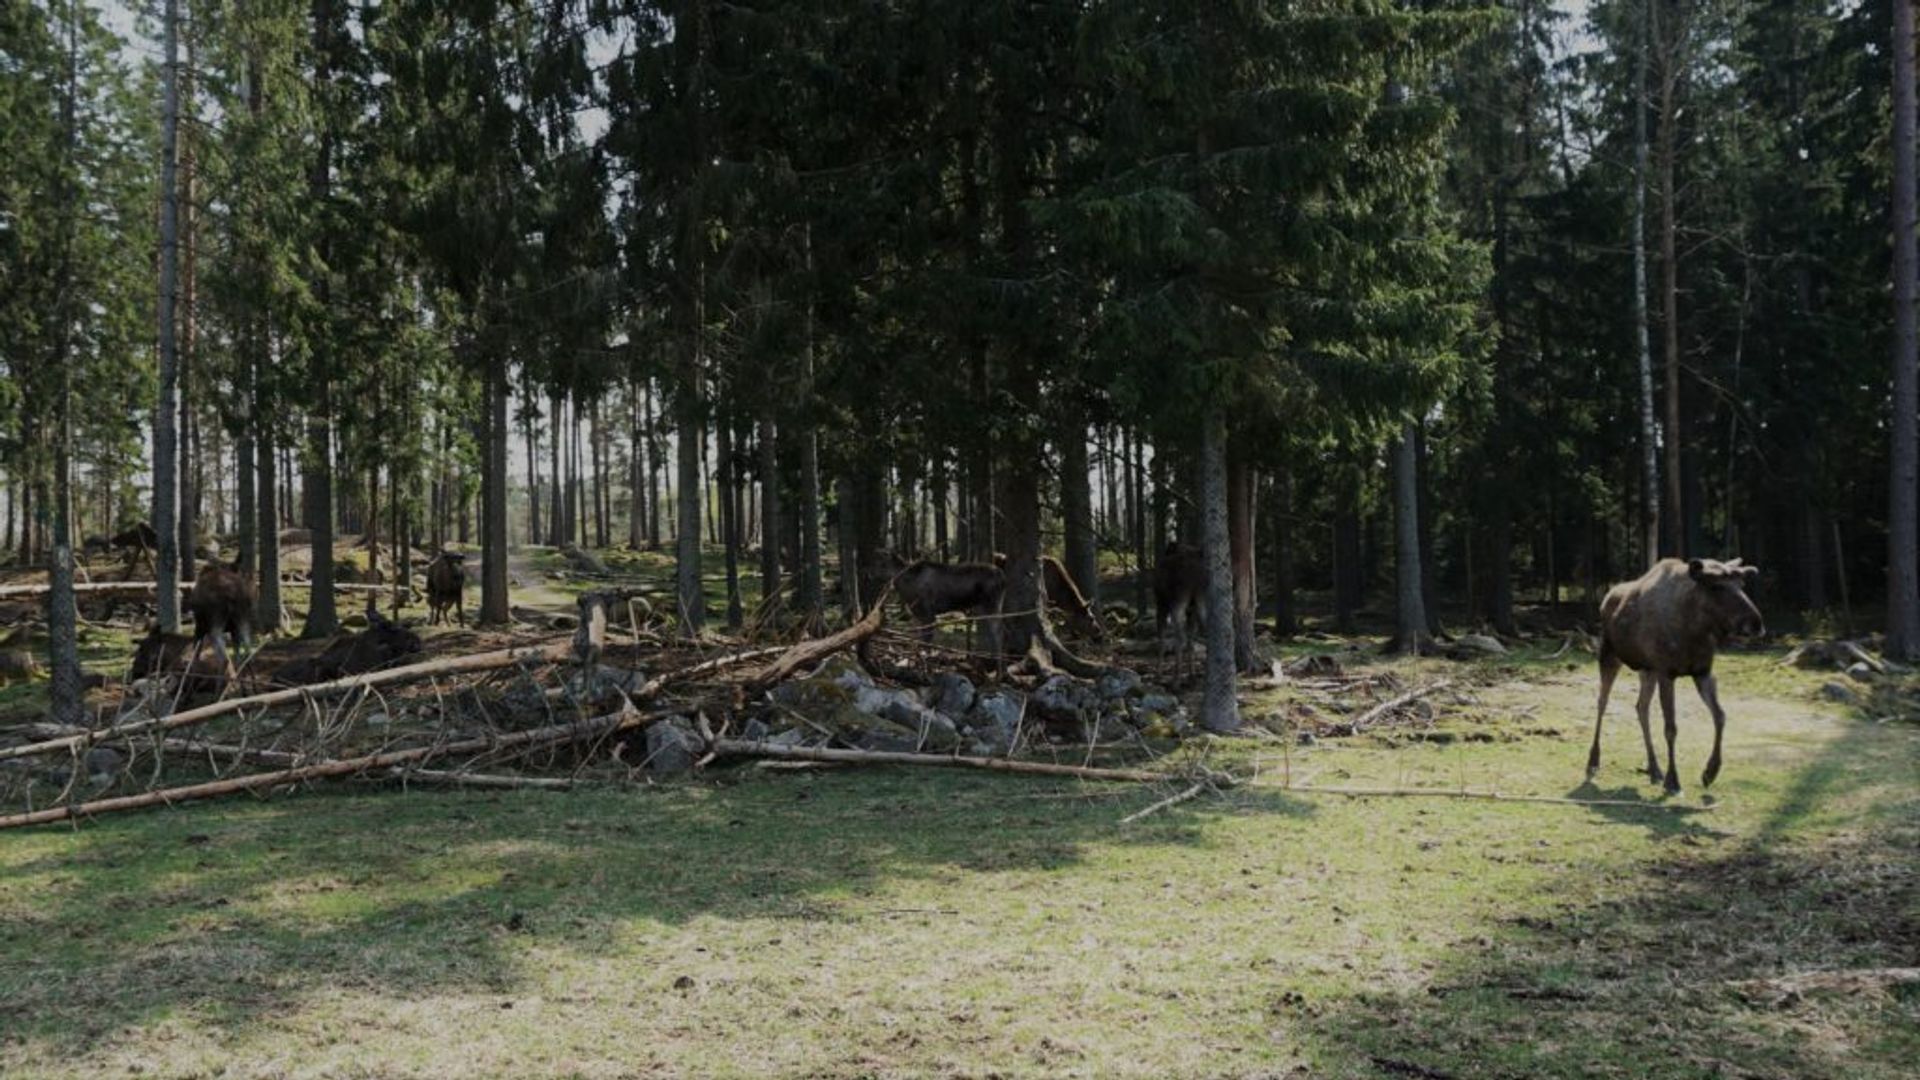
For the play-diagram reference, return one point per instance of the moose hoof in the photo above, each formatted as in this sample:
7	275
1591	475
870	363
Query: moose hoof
1673	784
1654	774
1713	773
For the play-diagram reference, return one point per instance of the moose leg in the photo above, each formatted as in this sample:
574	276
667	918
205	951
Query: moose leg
1710	693
1673	729
1640	708
1609	670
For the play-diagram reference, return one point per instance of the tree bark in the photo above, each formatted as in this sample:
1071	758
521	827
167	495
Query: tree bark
1903	532
1076	503
322	621
729	521
166	464
1286	618
1240	511
1649	434
1411	615
495	609
770	530
63	643
1670	46
1219	710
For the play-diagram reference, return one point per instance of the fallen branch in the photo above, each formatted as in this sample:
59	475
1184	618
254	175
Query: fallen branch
489	661
705	667
813	650
744	748
1407	698
1171	800
536	738
93	588
487	780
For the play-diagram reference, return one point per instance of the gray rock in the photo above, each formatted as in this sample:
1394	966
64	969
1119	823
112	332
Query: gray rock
951	694
1116	684
789	737
1111	728
104	765
671	748
754	730
1064	699
1158	701
931	729
1483	644
1841	693
994	720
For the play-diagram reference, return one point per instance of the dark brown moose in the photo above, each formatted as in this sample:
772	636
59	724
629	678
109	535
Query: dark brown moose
1064	593
930	589
1666	625
221	602
1179	592
446	588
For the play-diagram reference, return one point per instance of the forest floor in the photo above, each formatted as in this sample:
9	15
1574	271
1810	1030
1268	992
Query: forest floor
881	922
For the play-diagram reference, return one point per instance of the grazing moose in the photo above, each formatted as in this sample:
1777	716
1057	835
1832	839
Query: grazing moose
1064	593
447	588
1665	625
930	589
1179	593
138	542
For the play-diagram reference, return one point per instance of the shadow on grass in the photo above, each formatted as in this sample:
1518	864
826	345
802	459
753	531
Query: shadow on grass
237	912
1655	978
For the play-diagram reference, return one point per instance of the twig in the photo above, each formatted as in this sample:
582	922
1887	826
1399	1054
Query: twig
1404	699
1171	800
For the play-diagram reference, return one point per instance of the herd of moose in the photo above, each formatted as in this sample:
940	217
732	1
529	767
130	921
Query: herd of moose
1665	625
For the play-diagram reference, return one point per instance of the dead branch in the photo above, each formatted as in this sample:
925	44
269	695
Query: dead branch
555	652
487	780
743	748
555	735
1171	800
813	650
1407	698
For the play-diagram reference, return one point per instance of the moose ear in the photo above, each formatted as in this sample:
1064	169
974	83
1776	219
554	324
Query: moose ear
1696	569
1751	573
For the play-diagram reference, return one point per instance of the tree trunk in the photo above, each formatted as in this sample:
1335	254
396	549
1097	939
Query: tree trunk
189	457
1670	44
688	437
63	641
1410	632
1076	502
1286	618
1219	710
1649	435
495	609
530	431
1903	530
729	521
770	531
322	620
1240	511
637	478
1349	585
1137	510
269	615
166	463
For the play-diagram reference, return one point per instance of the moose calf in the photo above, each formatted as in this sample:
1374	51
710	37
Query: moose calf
930	589
1665	625
1179	592
447	587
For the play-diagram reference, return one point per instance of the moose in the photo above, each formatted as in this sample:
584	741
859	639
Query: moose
221	603
1179	594
1667	624
930	589
1064	593
446	587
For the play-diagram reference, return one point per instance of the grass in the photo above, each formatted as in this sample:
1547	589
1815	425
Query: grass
902	922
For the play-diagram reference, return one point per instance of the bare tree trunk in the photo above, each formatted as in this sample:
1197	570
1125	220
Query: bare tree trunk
321	618
689	436
1219	710
1670	38
530	431
729	520
1240	510
1903	577
166	463
1410	632
1649	436
1286	620
1137	508
637	477
812	588
189	325
1076	502
63	642
268	613
494	607
770	531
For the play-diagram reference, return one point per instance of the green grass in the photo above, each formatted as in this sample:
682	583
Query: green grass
916	922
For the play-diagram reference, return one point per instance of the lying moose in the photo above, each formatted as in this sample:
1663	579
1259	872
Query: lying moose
1665	625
